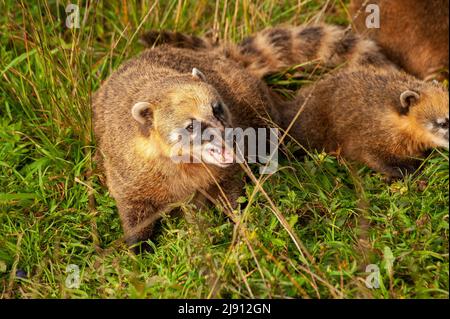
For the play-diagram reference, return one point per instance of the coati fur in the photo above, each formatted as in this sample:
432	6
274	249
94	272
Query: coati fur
413	33
274	49
386	120
152	95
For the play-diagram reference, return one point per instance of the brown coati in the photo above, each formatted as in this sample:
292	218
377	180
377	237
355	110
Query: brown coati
412	33
274	49
139	111
386	120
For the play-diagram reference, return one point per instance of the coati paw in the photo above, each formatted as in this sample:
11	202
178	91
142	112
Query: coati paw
400	172
141	247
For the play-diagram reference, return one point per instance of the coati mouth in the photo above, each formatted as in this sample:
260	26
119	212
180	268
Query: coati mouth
218	155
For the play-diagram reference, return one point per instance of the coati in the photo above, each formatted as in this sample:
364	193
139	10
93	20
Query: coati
274	49
369	111
412	33
386	120
138	112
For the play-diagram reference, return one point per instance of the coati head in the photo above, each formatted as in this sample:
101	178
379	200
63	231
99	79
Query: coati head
187	121
428	109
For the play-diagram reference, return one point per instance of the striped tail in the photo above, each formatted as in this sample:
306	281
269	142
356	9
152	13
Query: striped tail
275	49
176	39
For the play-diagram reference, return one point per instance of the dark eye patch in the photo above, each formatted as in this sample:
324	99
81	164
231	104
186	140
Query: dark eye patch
218	110
443	125
190	126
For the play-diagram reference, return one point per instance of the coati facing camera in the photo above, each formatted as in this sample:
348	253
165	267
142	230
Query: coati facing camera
274	49
387	120
140	108
379	116
412	33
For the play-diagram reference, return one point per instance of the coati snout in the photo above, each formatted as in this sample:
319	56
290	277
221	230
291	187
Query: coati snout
189	124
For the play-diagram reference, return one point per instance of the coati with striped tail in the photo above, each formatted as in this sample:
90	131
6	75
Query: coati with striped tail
139	111
412	33
368	111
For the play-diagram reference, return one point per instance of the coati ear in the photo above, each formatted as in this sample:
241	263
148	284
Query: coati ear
197	74
408	98
142	112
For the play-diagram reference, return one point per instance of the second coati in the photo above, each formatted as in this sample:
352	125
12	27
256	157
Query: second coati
412	33
139	112
386	120
368	111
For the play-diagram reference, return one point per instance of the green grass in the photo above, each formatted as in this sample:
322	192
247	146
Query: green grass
328	221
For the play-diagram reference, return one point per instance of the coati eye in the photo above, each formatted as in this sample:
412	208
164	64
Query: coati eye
190	126
217	109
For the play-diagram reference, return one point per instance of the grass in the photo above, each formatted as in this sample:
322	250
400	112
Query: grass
343	217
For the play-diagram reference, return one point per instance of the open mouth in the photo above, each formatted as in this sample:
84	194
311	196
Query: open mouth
221	156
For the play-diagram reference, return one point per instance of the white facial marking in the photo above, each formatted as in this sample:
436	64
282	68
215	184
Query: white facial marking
174	136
